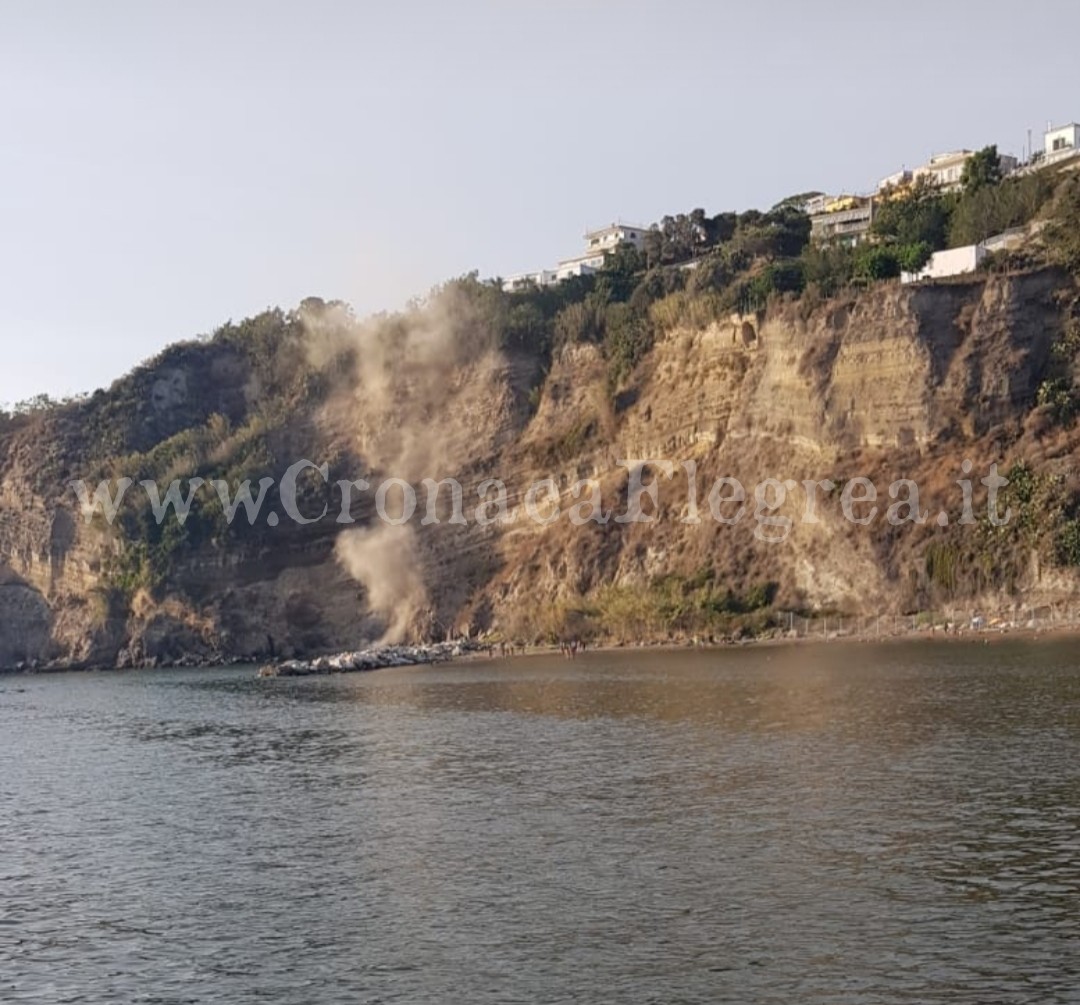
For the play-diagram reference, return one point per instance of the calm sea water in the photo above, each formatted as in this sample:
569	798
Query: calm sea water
824	824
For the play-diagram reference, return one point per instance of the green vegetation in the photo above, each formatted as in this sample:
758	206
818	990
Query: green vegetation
1042	511
1063	233
987	204
669	606
982	170
943	562
696	269
1043	525
245	385
992	208
1058	391
919	215
1057	394
698	605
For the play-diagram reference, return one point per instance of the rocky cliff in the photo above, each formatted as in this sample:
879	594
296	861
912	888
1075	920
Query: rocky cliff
894	383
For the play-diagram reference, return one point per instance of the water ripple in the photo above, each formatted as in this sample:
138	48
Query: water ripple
812	825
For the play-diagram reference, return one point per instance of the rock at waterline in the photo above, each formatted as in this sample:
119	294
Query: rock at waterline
375	658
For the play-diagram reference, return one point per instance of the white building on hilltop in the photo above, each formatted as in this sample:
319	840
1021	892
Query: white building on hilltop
947	170
1062	142
954	262
610	237
899	180
598	244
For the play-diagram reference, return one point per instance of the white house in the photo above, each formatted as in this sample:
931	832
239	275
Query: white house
609	238
1062	142
898	180
523	280
598	243
582	265
954	262
947	170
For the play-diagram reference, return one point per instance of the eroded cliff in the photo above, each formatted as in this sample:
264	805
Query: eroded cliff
895	383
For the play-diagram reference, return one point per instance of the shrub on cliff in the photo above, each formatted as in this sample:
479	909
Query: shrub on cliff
912	257
580	322
1057	395
655	285
919	216
987	210
627	338
874	261
830	267
1063	234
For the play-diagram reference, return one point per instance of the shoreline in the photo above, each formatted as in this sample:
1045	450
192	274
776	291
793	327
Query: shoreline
467	651
482	653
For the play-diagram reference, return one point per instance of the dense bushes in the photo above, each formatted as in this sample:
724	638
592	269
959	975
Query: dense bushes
696	269
993	208
668	606
1063	234
986	205
919	215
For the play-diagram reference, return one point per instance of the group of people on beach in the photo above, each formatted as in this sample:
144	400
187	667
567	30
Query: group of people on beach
505	649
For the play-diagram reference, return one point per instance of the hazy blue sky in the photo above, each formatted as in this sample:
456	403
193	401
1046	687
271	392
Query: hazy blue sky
167	166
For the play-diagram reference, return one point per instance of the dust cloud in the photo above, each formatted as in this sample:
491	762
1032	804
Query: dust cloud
416	382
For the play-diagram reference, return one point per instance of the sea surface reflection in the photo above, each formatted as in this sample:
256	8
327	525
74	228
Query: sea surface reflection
812	824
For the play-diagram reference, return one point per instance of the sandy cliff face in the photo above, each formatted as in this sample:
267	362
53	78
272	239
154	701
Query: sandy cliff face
899	382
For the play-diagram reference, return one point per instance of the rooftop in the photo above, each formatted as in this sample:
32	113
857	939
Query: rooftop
614	226
952	155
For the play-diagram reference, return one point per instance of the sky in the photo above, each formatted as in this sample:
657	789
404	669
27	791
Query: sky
166	167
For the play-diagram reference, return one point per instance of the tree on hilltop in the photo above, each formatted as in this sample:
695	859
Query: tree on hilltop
982	170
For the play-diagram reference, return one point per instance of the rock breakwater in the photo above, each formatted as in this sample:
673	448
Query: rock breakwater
373	658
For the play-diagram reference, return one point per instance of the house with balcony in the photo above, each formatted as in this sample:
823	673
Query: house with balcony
598	244
610	237
946	171
895	184
844	219
1061	143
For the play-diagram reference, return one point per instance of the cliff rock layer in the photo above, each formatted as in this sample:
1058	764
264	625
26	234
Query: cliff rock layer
898	382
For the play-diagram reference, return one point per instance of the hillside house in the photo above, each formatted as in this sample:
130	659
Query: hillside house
844	219
609	238
598	244
946	171
1061	143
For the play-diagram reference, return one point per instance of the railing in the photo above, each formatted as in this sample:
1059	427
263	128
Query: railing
1041	619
